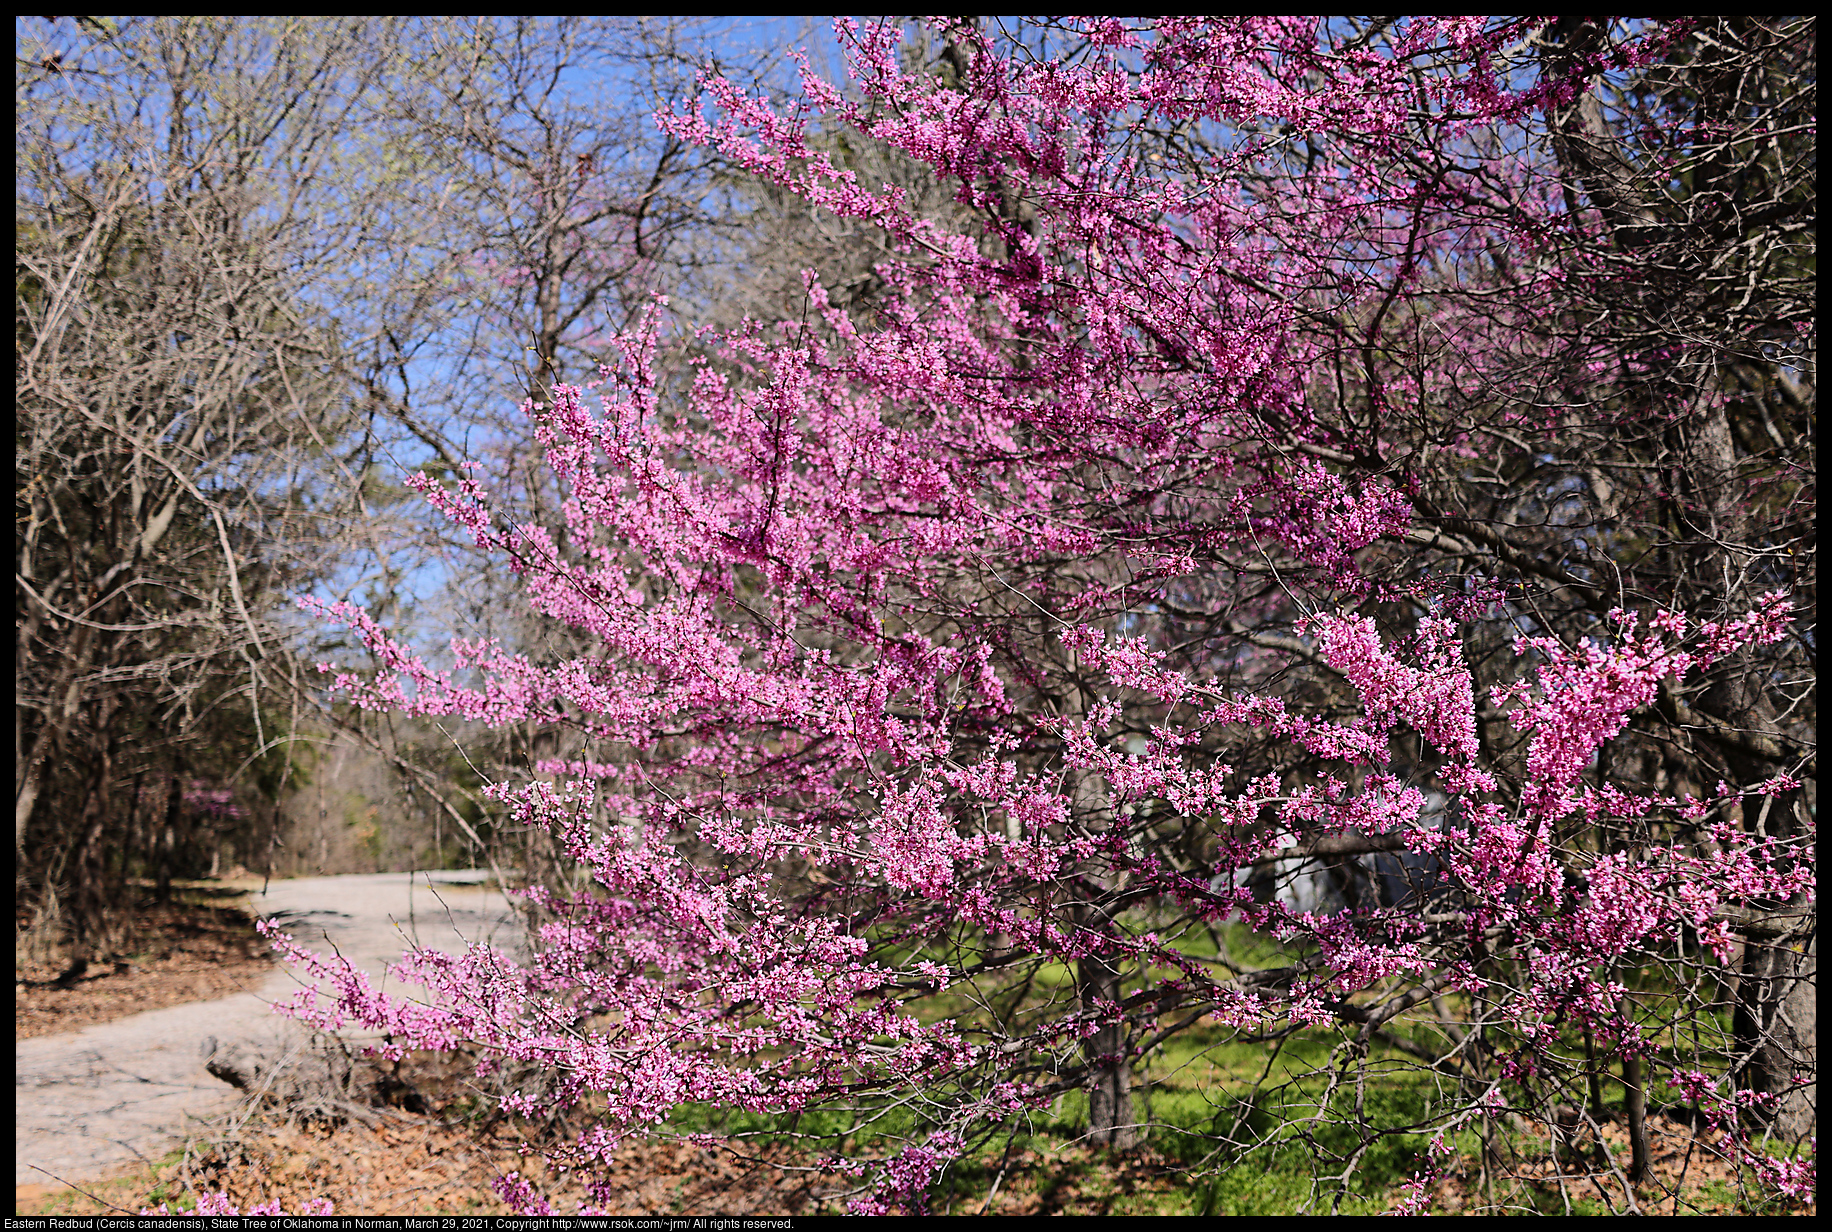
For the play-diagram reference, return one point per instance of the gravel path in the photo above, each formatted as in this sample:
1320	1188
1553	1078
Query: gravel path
109	1097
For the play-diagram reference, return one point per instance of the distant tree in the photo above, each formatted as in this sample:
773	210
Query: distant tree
180	417
242	246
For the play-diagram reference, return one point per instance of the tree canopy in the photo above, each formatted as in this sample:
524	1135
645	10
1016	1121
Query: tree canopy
1342	478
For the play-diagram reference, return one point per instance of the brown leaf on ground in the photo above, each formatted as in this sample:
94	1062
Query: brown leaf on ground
176	953
412	1165
1080	1180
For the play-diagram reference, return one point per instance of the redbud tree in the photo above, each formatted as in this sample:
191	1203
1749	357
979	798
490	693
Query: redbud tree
1257	507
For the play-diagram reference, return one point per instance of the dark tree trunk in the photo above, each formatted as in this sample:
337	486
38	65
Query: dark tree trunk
1634	1085
167	838
90	916
1776	1021
1111	1122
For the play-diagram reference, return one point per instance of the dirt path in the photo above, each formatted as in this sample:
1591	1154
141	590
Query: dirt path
118	1094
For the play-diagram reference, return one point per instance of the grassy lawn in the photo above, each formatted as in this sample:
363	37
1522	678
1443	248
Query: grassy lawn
1293	1124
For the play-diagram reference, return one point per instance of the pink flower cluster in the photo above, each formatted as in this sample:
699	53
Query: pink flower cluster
206	801
219	1204
1585	696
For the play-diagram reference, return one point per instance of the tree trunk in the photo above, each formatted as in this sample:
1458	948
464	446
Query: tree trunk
1109	1083
51	732
1776	1015
167	838
1111	1122
1776	1018
89	901
1635	1089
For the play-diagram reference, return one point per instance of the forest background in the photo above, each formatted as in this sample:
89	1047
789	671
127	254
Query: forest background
328	241
269	269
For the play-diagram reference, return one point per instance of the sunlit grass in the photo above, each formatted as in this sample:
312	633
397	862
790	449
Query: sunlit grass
1236	1124
125	1193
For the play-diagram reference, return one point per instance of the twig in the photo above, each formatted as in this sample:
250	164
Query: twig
79	1189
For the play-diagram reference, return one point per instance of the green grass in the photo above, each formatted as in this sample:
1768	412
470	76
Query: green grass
1212	1145
144	1186
1233	1125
